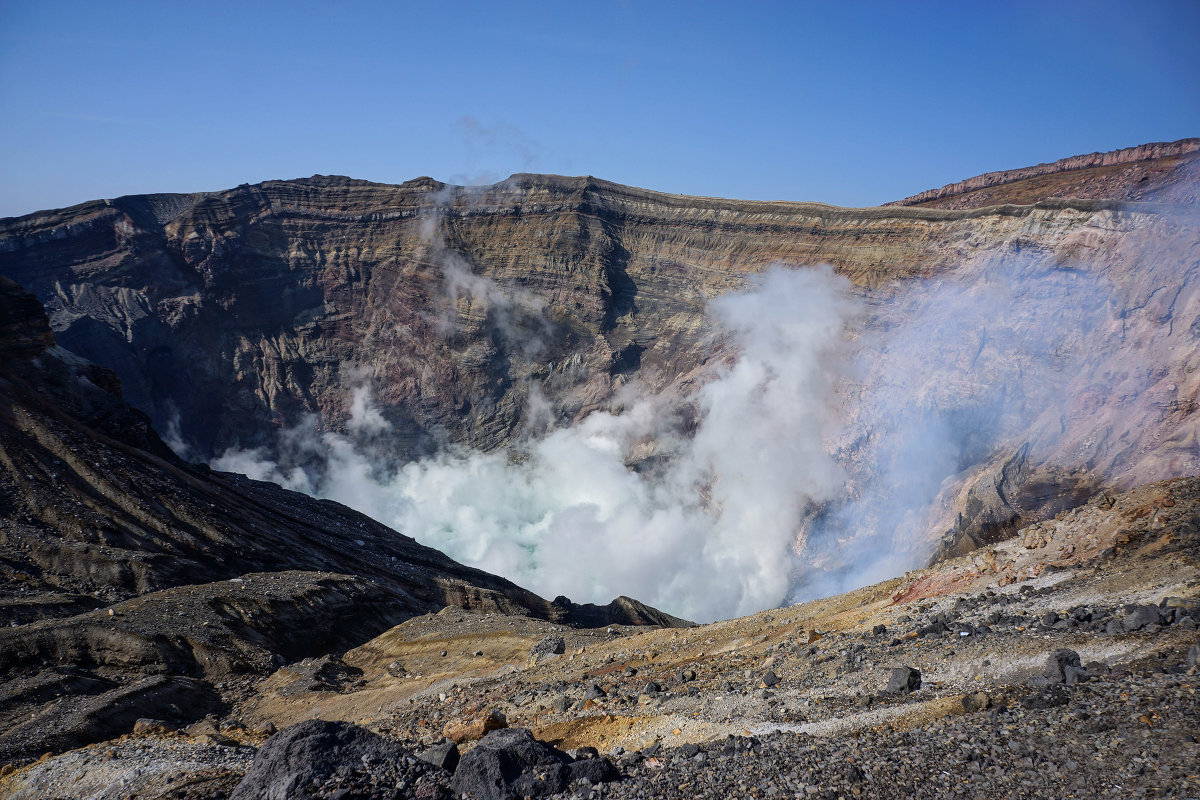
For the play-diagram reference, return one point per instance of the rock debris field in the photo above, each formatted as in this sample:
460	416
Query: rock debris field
1074	679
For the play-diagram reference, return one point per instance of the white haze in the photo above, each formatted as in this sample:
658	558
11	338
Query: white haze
949	374
812	469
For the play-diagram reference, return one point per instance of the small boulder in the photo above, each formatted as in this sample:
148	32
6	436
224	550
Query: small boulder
651	688
1139	617
769	679
594	692
904	680
1063	667
299	760
595	770
976	701
1193	655
396	669
510	763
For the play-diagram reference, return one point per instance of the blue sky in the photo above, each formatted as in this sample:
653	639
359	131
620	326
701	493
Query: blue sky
852	103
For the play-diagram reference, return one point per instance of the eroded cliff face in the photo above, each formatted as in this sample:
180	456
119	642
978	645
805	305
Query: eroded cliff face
251	308
478	315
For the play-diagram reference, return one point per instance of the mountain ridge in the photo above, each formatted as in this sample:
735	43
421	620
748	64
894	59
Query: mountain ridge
1178	162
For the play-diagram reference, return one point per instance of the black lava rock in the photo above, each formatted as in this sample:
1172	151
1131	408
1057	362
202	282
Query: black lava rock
550	646
1139	617
317	758
510	763
444	755
1063	667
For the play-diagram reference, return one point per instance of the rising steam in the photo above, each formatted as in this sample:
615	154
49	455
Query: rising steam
816	456
708	534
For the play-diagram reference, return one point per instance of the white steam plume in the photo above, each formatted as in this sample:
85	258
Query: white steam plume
709	534
817	463
949	373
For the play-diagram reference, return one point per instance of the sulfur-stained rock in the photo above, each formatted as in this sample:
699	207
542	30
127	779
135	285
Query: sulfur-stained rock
476	727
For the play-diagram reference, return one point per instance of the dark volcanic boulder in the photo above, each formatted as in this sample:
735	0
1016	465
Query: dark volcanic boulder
510	764
320	759
1063	667
903	680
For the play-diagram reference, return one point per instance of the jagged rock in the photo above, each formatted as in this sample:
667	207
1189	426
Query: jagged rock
903	680
312	753
1063	667
1141	617
324	674
444	755
512	764
546	649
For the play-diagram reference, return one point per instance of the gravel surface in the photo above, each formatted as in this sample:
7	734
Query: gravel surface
1130	736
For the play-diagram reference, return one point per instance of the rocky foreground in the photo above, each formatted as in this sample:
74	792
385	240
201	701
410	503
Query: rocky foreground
1059	663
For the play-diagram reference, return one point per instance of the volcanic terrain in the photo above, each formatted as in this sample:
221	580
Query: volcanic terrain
174	631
